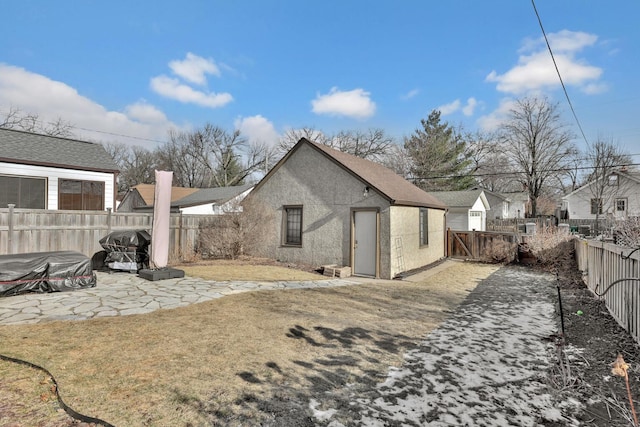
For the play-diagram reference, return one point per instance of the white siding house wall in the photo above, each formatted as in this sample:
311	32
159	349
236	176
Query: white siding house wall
578	203
457	219
478	222
53	174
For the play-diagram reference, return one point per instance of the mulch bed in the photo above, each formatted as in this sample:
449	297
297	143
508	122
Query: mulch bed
592	341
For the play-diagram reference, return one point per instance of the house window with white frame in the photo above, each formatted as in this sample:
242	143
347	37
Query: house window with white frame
596	206
80	195
424	227
292	226
23	192
621	205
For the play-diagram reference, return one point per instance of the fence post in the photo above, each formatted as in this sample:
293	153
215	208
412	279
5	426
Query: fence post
108	220
10	231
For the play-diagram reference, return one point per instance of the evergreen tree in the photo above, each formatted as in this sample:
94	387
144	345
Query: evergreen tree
437	151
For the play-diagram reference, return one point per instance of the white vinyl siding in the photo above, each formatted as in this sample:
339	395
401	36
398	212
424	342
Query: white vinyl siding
54	174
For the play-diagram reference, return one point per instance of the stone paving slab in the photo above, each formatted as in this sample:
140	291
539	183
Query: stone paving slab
121	294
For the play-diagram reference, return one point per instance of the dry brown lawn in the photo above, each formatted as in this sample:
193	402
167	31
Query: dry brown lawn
220	362
254	269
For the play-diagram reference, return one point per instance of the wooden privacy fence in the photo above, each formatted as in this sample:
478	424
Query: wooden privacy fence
475	244
605	266
33	230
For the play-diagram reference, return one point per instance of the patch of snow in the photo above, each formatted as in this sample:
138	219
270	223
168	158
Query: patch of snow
318	414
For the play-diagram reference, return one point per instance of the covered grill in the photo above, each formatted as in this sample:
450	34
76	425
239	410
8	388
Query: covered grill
126	250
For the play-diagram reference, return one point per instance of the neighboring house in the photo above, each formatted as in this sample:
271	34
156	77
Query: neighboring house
46	172
143	196
217	201
467	210
189	201
330	207
518	204
620	198
499	204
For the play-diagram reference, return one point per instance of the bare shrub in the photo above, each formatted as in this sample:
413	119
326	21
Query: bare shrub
627	232
500	251
235	233
549	244
183	255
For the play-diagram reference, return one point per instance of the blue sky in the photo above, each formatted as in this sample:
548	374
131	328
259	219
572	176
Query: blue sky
138	68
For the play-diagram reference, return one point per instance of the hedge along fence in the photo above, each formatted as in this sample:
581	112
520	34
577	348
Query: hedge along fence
34	230
605	265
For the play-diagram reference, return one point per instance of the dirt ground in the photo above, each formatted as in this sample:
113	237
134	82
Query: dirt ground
593	339
591	342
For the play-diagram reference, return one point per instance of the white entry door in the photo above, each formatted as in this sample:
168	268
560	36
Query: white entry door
365	244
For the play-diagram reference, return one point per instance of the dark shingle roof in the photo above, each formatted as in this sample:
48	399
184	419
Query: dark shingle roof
396	189
34	149
211	195
457	199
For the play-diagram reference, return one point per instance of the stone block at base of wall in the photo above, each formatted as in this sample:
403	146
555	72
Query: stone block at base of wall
335	271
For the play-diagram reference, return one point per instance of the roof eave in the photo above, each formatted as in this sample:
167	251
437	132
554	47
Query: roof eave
56	165
410	203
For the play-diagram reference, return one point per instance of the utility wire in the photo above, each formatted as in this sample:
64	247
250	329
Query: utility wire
72	126
514	173
566	94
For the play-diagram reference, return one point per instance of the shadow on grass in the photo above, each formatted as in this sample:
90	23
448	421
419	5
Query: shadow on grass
348	360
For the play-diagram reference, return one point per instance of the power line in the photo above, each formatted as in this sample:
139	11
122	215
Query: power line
566	94
118	134
72	126
478	175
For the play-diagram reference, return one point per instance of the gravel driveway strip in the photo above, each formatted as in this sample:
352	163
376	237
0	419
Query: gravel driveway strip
486	365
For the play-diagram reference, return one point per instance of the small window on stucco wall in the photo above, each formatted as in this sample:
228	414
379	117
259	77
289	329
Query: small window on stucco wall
292	226
424	227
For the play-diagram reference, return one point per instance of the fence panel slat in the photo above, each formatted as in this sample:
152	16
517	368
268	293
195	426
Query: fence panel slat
81	231
604	263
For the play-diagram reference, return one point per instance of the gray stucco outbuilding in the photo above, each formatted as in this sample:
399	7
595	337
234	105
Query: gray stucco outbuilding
330	207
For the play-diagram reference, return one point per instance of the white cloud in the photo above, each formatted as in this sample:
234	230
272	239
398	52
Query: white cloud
257	129
355	103
194	68
449	108
410	94
50	100
492	121
470	108
535	71
173	89
452	107
145	113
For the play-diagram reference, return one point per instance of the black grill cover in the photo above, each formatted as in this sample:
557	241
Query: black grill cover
126	241
45	272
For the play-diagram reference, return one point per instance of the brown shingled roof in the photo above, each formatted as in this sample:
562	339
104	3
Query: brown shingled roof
148	193
396	189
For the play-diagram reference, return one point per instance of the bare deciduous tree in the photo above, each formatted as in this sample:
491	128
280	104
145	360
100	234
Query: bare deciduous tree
537	144
292	136
372	144
605	159
398	160
489	164
29	122
212	157
136	164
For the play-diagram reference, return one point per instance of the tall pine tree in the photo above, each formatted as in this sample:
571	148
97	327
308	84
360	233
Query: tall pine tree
437	151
